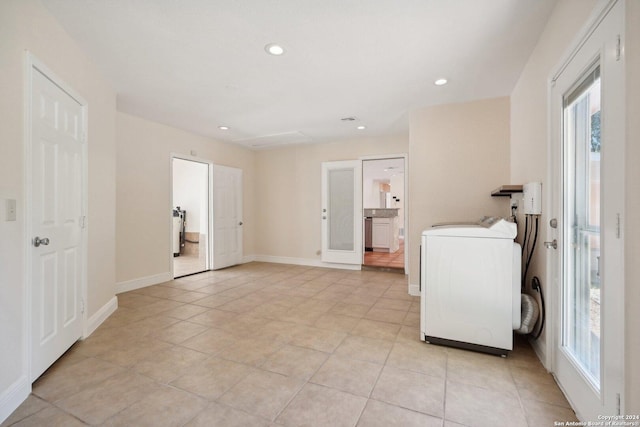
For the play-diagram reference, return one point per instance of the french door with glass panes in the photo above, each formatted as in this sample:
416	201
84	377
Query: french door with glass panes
342	212
588	119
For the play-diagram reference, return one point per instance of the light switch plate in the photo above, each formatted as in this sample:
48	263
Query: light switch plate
10	214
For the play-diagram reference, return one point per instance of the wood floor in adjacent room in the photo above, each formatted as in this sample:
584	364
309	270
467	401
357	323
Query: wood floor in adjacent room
277	345
385	259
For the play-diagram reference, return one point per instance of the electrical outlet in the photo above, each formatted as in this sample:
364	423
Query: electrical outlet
10	213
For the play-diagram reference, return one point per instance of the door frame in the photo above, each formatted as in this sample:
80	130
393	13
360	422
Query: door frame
555	200
405	157
32	63
209	164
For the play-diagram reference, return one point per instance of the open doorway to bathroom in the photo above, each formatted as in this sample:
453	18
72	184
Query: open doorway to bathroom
383	202
190	215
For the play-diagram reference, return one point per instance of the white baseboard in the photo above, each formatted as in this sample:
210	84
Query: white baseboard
130	285
304	261
539	348
248	258
13	397
100	316
414	290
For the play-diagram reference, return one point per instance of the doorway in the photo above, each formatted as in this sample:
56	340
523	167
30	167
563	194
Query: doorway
586	259
384	203
190	216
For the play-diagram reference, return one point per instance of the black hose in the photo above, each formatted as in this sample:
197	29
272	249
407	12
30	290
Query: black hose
524	248
535	284
533	248
526	229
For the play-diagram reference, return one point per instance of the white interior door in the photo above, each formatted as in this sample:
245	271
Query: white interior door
588	121
56	221
342	212
227	216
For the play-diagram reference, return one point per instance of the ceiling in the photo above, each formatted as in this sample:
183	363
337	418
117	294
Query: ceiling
382	169
201	64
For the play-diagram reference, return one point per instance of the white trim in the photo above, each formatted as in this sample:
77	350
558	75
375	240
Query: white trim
100	316
303	261
31	63
414	290
540	348
596	17
13	397
26	302
248	258
142	282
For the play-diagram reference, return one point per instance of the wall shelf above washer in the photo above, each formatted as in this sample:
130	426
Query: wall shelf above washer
506	190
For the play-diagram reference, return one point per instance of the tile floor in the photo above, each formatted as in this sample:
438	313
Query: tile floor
385	259
188	264
276	345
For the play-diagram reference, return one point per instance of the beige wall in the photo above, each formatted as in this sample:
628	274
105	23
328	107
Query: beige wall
632	200
458	154
26	25
529	117
143	208
288	189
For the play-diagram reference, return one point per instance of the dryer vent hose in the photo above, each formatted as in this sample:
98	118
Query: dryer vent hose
528	313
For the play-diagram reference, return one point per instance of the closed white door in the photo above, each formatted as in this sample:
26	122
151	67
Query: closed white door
587	264
342	212
227	216
56	221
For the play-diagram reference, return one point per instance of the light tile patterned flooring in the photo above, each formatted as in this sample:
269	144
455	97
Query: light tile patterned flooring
277	345
188	264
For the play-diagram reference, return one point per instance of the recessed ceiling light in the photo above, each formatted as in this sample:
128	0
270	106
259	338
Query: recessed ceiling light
274	49
440	82
223	127
361	127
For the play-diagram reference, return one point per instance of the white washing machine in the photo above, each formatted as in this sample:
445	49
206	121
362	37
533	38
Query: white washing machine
470	285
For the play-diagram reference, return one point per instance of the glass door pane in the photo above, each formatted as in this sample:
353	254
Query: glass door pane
581	290
341	209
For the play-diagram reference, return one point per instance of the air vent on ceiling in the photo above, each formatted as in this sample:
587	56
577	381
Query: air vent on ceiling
275	140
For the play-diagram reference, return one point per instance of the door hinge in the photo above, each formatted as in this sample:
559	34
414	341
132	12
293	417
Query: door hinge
618	226
617	403
83	221
618	48
82	306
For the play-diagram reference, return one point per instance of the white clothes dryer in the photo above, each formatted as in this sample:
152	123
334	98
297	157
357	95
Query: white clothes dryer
470	285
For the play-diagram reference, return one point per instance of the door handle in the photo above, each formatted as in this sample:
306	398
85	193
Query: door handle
550	245
38	241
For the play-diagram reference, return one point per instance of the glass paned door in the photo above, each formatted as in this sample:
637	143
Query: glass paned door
581	294
342	212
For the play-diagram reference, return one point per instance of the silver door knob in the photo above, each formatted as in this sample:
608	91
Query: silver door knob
38	241
550	245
